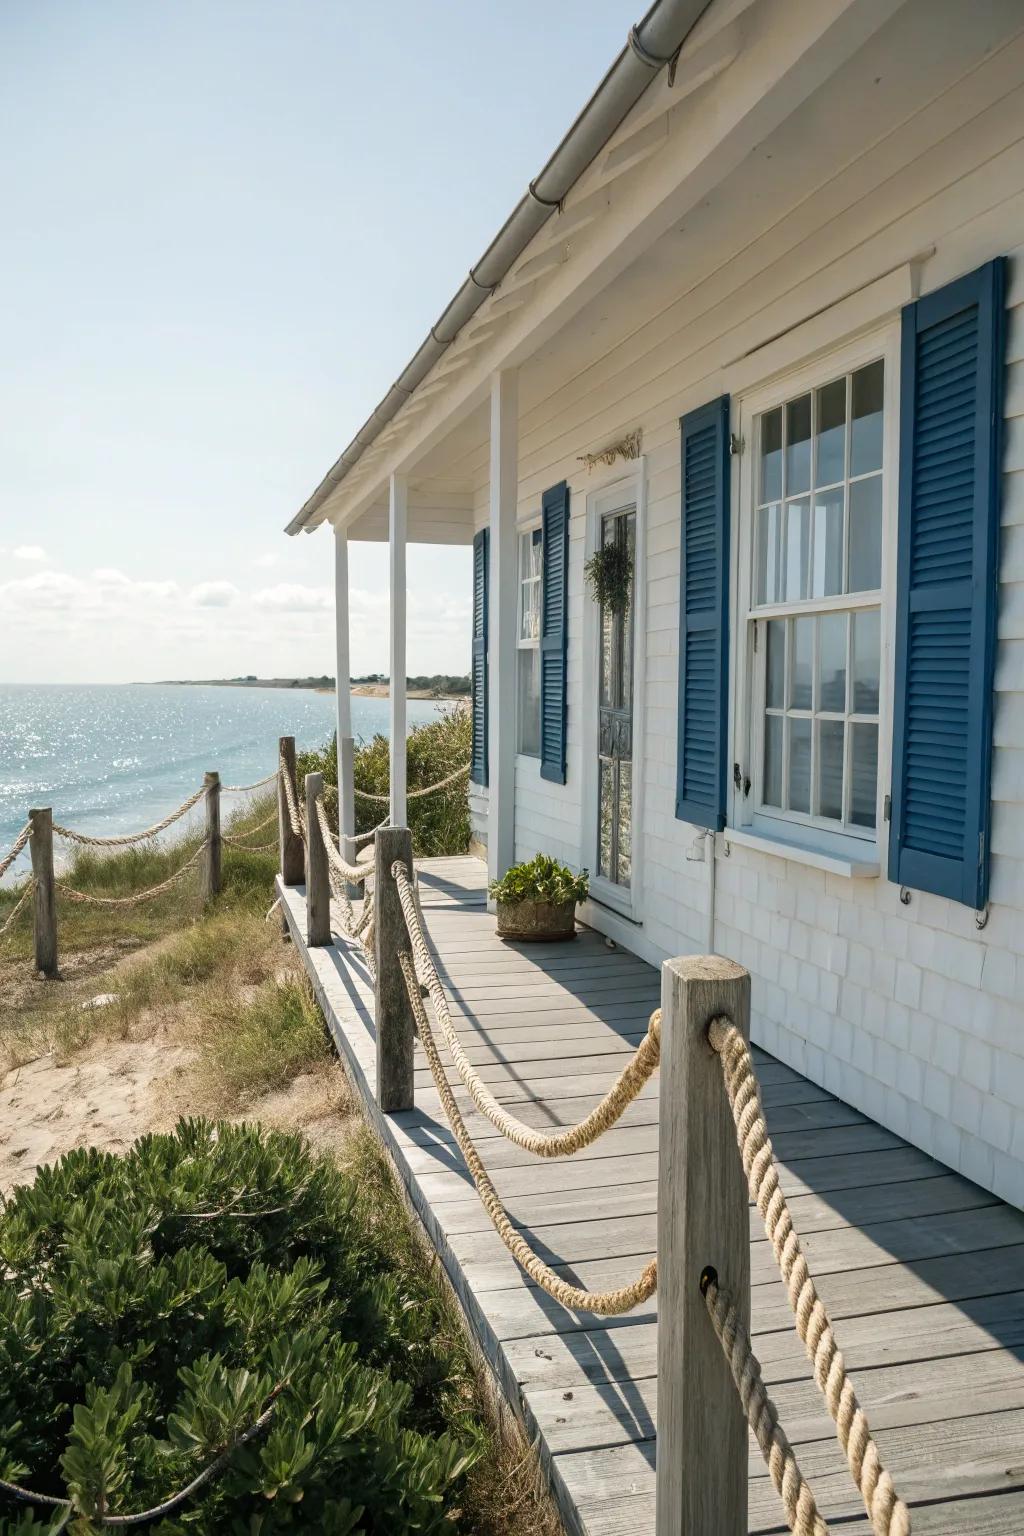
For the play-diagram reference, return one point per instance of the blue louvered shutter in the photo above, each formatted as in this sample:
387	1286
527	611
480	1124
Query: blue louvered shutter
951	387
553	631
478	755
703	617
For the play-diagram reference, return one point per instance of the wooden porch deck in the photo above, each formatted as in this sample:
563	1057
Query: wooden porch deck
922	1271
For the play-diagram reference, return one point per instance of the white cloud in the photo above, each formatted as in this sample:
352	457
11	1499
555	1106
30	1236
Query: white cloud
29	552
265	561
292	597
46	589
214	594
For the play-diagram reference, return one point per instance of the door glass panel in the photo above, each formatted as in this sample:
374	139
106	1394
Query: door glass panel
800	682
831	734
863	773
798	445
800	765
606	817
625	822
832	662
866	431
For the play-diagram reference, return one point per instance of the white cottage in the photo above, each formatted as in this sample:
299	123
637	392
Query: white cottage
757	327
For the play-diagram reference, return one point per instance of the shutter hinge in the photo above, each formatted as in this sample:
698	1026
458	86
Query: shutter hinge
887	808
736	445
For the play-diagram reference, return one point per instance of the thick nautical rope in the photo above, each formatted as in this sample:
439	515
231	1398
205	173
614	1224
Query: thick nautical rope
241	789
355	874
887	1512
88	898
12	914
133	837
19	843
239	841
294	818
638	1071
417	794
605	1303
798	1501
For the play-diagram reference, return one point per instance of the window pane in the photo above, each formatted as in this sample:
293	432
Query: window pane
529	701
866	431
863	774
798	445
830	768
803	660
827	564
606	812
800	765
798	549
625	821
536	547
865	535
866	661
769	554
775	665
830	447
832	662
771	456
771	788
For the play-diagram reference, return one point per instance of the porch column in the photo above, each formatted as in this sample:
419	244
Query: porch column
343	694
396	535
502	622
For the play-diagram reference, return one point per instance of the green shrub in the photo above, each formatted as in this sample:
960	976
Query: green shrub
439	822
543	879
157	1305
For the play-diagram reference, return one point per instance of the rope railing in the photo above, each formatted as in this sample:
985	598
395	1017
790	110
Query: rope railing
355	874
8	922
127	839
136	897
638	1071
20	842
417	794
242	789
887	1512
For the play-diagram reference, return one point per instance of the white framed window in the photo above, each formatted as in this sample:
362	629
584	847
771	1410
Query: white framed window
528	642
816	484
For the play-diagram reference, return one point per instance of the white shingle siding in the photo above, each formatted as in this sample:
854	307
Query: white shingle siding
908	1012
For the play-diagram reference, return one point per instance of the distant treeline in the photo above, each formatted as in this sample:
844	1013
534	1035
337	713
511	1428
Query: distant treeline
437	682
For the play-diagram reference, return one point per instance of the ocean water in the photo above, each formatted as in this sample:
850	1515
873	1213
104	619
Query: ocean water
115	758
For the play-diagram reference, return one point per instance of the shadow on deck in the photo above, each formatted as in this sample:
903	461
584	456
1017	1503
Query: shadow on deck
922	1271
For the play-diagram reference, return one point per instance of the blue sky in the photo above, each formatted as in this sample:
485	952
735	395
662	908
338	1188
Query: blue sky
228	225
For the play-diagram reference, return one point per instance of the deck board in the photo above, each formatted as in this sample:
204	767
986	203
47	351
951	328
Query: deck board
922	1270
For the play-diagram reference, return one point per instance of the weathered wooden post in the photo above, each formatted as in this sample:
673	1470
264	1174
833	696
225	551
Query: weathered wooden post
44	895
393	1013
211	880
290	845
318	885
703	1223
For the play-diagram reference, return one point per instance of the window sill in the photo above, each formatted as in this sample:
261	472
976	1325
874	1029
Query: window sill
832	863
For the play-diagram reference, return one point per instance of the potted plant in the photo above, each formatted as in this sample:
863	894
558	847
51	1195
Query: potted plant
538	900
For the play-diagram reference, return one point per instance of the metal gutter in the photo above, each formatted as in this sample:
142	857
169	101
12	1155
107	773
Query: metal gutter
652	43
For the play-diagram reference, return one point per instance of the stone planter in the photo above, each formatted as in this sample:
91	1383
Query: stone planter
536	921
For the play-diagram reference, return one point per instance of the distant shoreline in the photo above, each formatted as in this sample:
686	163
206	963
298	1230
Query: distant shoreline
316	684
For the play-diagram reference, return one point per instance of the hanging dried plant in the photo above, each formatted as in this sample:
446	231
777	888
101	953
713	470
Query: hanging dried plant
609	576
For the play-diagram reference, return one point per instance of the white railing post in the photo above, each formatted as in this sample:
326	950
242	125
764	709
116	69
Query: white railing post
44	894
392	1012
318	885
343	703
210	877
703	1224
